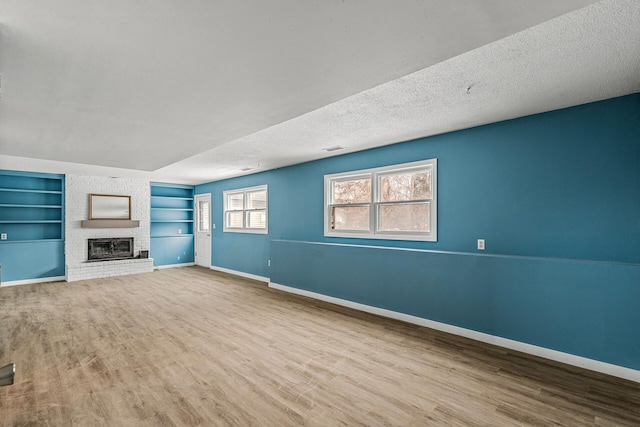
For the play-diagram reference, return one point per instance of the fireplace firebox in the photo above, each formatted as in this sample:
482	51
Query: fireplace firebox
110	249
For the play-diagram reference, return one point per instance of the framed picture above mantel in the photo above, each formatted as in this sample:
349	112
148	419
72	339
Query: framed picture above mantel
107	206
109	211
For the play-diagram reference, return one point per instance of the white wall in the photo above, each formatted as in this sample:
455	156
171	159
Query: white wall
78	188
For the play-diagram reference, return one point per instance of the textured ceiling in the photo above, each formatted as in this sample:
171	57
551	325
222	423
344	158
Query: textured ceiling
196	91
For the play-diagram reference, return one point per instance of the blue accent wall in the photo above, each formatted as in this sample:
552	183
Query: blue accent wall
32	260
556	196
585	308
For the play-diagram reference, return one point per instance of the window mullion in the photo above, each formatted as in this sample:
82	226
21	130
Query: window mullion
344	205
246	209
373	212
405	202
374	217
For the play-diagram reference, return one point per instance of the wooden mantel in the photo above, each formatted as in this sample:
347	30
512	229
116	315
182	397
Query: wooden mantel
110	223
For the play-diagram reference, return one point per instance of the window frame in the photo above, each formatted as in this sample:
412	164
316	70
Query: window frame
245	211
375	203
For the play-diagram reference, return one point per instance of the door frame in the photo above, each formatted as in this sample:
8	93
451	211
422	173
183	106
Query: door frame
196	232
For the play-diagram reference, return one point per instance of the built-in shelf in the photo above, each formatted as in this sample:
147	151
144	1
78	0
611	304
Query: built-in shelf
39	221
31	206
110	223
171	223
26	190
171	198
7	205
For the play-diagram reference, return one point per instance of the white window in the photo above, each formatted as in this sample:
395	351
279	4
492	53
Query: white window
245	210
394	202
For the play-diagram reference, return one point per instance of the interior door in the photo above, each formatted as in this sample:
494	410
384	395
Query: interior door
203	229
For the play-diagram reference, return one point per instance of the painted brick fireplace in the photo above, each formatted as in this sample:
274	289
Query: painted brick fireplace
78	265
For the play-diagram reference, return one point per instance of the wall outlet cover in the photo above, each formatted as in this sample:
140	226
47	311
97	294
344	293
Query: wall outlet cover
481	244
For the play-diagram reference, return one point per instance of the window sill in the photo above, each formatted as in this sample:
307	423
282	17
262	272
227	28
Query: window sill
245	230
419	238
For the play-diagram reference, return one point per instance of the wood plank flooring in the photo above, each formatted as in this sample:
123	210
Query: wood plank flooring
190	346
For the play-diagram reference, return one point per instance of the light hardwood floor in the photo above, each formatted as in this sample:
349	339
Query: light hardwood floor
189	346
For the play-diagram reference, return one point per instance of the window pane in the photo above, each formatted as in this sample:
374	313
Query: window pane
351	191
257	200
257	219
405	186
235	202
203	215
234	219
413	217
350	218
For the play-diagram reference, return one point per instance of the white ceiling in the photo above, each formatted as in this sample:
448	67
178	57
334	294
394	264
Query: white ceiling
195	91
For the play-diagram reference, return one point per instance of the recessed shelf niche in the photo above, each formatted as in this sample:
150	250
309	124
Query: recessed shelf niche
31	207
171	224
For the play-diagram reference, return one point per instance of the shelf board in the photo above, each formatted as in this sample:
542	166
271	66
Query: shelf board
173	235
17	205
43	221
22	190
190	221
172	209
32	241
172	198
109	223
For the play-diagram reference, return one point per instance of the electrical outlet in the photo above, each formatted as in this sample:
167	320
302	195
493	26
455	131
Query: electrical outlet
179	230
481	244
3	236
269	263
213	226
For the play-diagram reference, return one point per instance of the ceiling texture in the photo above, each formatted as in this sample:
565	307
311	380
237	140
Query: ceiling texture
196	91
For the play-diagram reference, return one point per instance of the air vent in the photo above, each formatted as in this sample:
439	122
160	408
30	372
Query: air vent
334	148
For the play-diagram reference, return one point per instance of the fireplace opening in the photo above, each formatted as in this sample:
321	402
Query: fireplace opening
110	249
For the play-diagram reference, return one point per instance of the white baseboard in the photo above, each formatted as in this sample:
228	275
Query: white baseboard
162	267
558	356
241	274
30	281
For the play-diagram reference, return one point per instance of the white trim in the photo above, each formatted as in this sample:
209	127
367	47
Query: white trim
31	281
558	356
241	274
374	174
245	192
184	264
196	230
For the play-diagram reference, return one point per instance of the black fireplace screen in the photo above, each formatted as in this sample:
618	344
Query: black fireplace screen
112	248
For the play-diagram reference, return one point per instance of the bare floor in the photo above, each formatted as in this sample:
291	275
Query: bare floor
189	346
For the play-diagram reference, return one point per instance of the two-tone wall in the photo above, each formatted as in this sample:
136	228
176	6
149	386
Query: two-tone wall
556	196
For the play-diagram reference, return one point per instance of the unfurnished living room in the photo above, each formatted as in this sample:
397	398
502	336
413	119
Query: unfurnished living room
322	213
